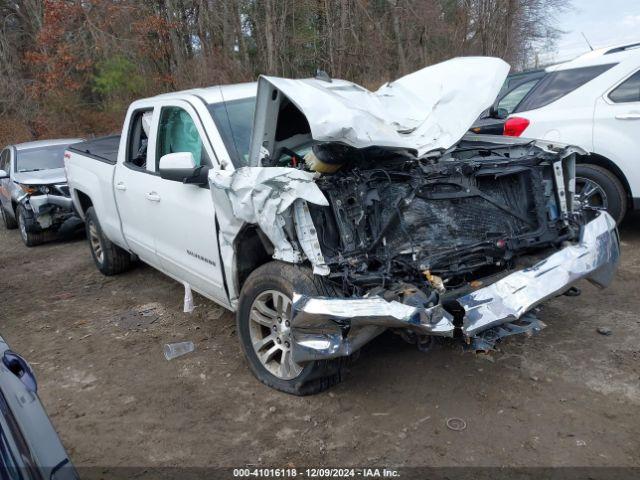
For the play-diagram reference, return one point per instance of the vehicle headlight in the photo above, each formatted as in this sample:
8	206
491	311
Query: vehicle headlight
31	189
28	188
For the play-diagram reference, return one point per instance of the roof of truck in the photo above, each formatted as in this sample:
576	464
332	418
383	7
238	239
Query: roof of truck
47	143
226	93
218	93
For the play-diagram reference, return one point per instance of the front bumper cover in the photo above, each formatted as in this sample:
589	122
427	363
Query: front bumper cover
324	328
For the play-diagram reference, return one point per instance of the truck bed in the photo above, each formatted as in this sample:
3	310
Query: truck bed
104	149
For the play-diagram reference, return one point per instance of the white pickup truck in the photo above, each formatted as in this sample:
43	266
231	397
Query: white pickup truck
324	214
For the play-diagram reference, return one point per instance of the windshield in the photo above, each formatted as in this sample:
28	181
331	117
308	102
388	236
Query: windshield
42	158
234	120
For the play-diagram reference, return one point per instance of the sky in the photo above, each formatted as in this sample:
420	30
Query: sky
604	22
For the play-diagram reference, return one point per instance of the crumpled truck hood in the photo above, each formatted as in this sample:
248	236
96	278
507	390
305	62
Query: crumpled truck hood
41	177
426	110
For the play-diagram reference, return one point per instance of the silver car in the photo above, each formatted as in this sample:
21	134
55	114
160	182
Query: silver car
34	196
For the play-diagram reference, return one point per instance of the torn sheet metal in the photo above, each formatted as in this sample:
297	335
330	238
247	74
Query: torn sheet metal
426	110
595	258
262	196
332	327
486	340
308	238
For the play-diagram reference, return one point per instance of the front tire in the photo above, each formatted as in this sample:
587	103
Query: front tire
29	230
108	257
262	322
598	187
9	223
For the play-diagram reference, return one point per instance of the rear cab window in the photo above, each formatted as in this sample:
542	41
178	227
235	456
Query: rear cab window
628	91
557	84
138	139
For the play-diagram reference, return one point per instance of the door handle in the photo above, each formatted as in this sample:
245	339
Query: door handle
121	186
152	196
628	116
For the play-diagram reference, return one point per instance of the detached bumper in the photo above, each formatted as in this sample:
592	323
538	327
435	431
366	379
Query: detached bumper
325	328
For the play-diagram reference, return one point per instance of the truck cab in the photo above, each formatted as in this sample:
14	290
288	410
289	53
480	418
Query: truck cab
169	224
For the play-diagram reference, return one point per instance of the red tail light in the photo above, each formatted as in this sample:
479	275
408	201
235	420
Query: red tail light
514	126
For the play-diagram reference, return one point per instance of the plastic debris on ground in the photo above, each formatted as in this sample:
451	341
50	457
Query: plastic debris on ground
175	350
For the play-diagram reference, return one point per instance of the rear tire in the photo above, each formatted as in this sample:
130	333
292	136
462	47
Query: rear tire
9	222
278	280
609	192
29	230
108	257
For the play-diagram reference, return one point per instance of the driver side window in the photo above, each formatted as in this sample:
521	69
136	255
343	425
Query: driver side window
177	132
5	157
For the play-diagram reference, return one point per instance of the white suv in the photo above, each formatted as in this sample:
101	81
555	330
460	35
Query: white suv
594	102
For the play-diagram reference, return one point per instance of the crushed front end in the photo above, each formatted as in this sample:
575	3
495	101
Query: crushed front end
463	243
50	207
465	246
419	227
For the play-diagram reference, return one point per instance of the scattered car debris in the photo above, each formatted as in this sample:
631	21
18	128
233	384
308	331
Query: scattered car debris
188	299
456	424
175	350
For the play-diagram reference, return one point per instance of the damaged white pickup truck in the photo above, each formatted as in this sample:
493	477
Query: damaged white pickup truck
324	214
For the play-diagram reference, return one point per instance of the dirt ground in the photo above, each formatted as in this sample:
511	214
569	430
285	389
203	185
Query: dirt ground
567	397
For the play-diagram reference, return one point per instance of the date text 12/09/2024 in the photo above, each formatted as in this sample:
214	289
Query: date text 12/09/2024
315	472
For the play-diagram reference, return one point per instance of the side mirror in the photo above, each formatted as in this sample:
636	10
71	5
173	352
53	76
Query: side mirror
502	113
181	167
499	113
3	174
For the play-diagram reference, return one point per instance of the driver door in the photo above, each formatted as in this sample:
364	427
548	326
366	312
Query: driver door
186	236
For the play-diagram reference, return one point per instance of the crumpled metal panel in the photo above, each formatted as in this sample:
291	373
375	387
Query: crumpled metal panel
262	196
332	327
594	257
429	109
39	201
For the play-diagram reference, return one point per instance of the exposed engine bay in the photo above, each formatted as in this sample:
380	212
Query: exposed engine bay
438	222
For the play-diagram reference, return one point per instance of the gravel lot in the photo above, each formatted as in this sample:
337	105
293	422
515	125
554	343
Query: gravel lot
567	397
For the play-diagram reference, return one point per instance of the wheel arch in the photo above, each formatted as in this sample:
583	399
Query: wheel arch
252	249
83	203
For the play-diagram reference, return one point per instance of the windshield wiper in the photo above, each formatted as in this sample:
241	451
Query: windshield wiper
31	170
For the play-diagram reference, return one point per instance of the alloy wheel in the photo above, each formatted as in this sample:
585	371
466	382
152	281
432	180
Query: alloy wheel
590	194
96	243
270	331
23	228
